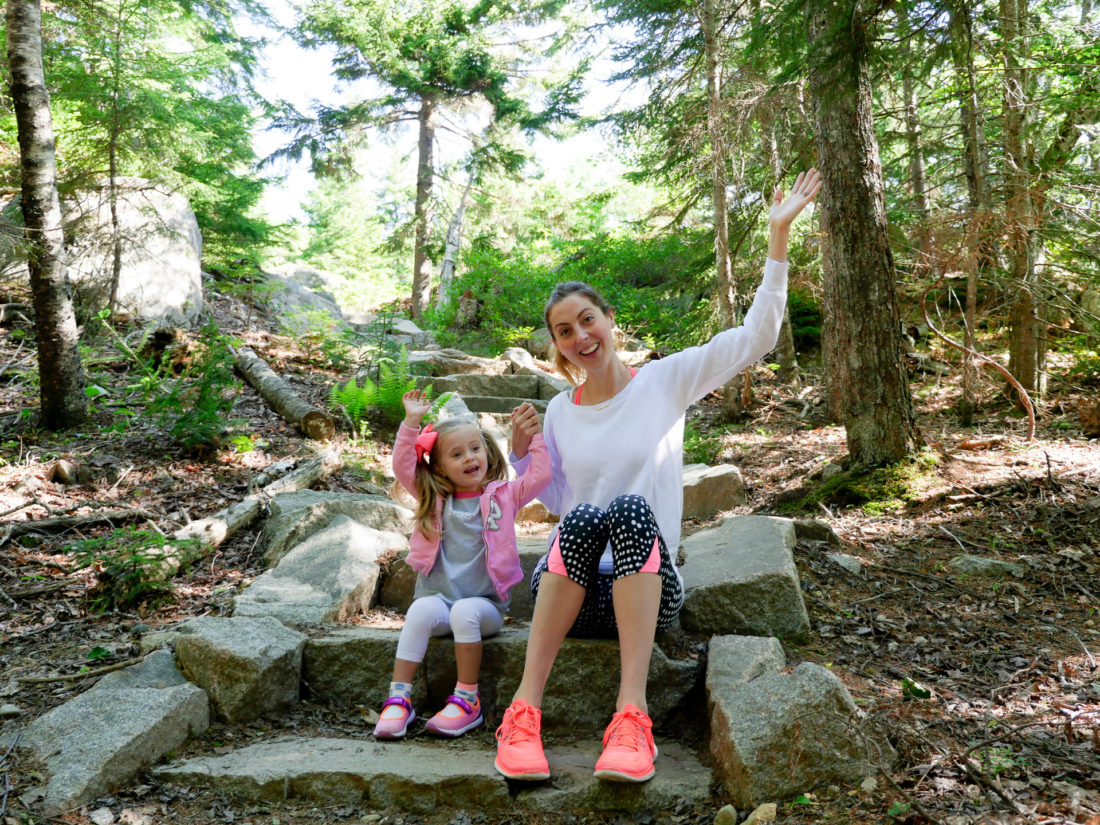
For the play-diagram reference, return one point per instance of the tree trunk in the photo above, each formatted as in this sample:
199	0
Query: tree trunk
281	398
112	152
917	179
454	239
968	401
422	264
733	394
60	371
867	355
1026	329
972	130
785	352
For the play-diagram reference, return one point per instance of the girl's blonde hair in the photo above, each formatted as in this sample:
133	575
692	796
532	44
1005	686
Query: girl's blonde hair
432	485
562	291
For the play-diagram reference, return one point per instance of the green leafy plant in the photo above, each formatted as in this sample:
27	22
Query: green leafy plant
699	447
127	564
354	401
193	408
394	380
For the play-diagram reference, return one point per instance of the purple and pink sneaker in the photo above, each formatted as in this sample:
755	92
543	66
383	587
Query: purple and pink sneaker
394	725
457	717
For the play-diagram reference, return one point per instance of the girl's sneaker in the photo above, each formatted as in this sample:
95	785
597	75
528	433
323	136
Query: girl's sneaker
394	725
457	717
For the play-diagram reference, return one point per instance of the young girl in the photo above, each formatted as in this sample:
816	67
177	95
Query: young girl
463	548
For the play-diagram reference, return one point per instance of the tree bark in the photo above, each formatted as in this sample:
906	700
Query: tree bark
281	398
785	351
61	373
422	264
1027	332
917	178
867	357
734	395
454	240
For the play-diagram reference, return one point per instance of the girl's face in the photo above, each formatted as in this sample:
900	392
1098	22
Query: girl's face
461	458
582	333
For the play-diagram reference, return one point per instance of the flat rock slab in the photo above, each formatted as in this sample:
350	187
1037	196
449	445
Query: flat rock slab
472	384
249	666
330	577
740	578
297	516
101	739
426	777
353	666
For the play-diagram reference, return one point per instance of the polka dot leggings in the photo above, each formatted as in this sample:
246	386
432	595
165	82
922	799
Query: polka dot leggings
636	546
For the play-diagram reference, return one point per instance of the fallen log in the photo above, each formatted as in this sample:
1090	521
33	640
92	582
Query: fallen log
61	524
281	398
202	536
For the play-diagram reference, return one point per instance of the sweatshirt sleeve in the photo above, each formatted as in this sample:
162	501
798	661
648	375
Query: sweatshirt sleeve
404	457
690	374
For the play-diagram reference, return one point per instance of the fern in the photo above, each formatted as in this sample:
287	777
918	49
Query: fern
354	400
394	380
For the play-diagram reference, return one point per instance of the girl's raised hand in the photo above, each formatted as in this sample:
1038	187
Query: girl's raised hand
785	210
525	424
416	407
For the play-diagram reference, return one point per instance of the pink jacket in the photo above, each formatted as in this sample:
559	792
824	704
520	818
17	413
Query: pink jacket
499	504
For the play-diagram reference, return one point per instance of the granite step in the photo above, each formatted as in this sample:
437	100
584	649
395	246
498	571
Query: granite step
428	776
352	666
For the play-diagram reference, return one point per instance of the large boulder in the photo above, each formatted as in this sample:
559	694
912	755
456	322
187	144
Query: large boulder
782	734
294	517
302	309
740	578
160	278
507	385
249	667
710	490
330	577
103	738
454	361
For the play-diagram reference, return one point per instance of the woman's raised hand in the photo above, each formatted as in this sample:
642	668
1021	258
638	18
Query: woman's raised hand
785	210
525	424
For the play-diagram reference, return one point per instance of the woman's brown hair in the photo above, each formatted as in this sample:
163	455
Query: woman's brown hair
560	293
432	485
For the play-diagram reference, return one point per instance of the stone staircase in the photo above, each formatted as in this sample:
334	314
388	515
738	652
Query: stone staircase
742	594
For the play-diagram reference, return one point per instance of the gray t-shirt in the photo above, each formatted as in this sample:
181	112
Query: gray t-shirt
460	570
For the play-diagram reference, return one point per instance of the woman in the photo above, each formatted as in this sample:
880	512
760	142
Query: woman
616	448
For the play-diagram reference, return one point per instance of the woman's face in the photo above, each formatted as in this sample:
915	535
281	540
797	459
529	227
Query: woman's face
582	333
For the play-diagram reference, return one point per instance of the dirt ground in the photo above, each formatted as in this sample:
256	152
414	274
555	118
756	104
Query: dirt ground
988	689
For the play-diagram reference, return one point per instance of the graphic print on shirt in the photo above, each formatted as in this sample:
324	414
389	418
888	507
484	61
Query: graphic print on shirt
491	523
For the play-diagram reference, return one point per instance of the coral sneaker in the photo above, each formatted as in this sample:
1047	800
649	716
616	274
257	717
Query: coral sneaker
519	744
457	717
393	724
628	748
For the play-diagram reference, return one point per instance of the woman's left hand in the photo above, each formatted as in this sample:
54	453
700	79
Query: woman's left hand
785	210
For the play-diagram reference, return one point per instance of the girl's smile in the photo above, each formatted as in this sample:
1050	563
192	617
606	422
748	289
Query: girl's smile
462	459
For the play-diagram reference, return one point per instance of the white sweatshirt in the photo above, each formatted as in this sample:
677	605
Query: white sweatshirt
634	443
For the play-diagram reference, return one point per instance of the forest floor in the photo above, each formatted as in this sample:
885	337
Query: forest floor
987	688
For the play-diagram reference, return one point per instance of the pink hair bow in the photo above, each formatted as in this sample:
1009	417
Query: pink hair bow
424	443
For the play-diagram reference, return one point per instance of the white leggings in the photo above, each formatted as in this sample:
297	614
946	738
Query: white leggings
469	619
